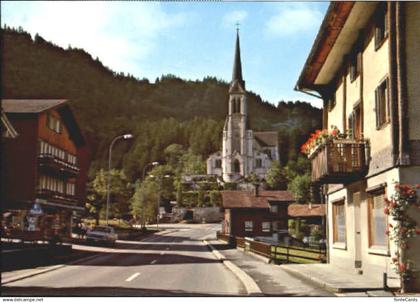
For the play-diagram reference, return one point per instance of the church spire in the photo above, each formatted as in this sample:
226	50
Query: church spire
237	66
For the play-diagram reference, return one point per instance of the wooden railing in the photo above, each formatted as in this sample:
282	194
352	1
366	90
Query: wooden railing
277	253
293	254
339	161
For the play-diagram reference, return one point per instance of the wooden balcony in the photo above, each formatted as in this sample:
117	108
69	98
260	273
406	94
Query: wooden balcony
339	162
55	164
56	196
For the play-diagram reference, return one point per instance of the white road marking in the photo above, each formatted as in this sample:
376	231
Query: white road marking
153	262
162	253
132	277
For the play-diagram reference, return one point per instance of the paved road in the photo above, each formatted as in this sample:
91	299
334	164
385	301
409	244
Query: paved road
171	264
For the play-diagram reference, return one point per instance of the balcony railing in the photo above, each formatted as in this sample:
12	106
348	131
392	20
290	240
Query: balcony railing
56	196
57	164
339	161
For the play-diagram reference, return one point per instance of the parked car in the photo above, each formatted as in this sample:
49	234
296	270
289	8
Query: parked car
102	234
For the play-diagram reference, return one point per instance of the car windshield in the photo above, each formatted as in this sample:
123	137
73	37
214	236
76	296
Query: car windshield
101	229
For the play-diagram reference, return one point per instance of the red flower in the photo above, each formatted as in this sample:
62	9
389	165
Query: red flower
387	232
402	267
394	259
386	211
390	225
334	132
418	231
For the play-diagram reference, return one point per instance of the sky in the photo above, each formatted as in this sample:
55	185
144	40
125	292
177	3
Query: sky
191	40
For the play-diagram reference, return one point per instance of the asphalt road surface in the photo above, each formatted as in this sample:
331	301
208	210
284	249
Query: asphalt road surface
173	264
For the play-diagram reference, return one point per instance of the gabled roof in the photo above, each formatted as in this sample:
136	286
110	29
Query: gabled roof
306	210
30	106
247	199
266	138
37	106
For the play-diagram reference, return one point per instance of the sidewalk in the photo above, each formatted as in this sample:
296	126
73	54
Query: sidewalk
272	279
339	280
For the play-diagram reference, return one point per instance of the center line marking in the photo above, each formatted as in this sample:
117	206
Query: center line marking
153	262
132	277
162	253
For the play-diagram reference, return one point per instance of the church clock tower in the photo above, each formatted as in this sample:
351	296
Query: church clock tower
237	138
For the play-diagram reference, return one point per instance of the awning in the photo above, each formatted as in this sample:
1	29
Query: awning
58	205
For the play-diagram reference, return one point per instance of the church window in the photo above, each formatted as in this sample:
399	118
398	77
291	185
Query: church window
238	105
236	167
258	163
218	163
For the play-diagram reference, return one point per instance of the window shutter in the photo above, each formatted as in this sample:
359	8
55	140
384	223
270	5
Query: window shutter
351	126
387	101
377	109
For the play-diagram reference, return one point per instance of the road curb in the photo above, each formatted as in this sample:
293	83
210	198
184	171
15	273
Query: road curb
251	286
46	270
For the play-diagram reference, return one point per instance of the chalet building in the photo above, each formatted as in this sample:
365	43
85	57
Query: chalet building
312	214
255	214
365	64
44	168
244	151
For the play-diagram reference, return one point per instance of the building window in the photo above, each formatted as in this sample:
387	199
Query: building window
275	226
355	66
339	222
377	220
258	163
236	167
249	226
53	123
218	163
274	209
381	27
265	226
331	103
382	104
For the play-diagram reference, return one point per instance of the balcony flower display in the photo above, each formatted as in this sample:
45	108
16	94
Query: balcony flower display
320	138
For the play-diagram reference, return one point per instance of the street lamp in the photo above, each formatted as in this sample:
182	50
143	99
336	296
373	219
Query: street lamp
158	201
124	136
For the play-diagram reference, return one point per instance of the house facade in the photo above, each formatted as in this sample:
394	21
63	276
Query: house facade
364	64
44	169
255	214
243	150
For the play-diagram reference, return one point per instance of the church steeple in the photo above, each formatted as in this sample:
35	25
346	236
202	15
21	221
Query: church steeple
237	65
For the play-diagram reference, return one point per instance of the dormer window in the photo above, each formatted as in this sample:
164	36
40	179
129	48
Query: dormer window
53	123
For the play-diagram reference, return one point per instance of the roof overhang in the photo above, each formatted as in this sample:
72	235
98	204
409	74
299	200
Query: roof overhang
338	32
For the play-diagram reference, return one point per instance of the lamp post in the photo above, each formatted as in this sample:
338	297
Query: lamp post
108	195
155	163
160	193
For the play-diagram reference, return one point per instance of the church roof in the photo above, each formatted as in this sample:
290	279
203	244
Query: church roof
266	138
247	199
237	79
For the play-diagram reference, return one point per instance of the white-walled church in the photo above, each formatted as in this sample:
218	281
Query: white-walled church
243	150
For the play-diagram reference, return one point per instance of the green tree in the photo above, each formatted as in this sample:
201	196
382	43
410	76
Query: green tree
275	177
120	191
144	202
300	186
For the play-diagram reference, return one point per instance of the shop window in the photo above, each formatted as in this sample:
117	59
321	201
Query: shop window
249	226
382	104
265	226
377	220
339	222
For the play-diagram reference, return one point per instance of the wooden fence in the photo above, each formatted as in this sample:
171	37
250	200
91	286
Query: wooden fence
277	253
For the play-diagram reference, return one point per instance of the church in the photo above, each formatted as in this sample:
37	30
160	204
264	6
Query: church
244	151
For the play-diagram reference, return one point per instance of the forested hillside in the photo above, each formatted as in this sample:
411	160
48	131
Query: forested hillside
169	110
